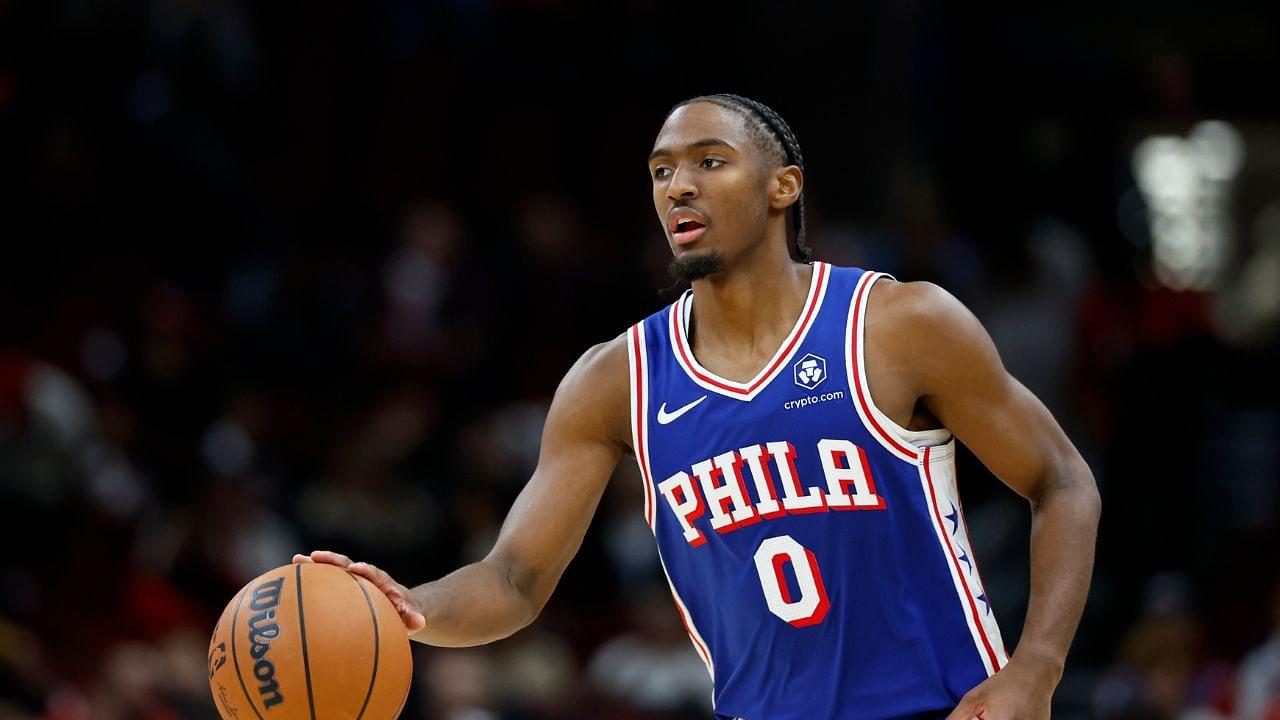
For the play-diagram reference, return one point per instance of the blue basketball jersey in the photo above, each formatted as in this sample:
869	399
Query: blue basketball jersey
818	558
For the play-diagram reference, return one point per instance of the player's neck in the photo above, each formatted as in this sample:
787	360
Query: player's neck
751	307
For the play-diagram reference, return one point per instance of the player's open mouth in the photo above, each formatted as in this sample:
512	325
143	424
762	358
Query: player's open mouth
686	231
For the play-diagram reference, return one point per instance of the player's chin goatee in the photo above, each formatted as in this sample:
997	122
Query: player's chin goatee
695	265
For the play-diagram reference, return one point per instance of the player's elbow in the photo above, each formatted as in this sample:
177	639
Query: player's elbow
524	601
1088	499
1071	487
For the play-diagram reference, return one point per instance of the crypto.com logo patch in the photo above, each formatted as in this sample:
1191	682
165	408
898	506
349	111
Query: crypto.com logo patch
810	371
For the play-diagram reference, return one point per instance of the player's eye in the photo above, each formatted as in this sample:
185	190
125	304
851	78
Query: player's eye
711	162
661	172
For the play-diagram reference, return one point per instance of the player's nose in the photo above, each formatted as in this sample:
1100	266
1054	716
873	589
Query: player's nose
681	186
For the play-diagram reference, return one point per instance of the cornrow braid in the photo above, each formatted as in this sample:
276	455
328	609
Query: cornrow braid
766	121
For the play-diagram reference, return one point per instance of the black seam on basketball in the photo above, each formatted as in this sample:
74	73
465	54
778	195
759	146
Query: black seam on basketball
377	651
302	628
235	657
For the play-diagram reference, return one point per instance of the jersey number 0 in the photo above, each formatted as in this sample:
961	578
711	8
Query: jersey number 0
772	557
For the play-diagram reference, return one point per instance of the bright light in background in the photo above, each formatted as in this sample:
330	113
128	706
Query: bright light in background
1187	184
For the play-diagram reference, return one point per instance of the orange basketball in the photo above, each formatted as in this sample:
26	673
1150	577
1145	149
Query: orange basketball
309	642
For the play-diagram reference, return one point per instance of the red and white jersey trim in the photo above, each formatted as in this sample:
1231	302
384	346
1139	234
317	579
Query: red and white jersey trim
638	361
637	355
938	482
679	320
892	436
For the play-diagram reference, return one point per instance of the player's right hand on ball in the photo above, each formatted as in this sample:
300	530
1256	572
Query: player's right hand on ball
400	596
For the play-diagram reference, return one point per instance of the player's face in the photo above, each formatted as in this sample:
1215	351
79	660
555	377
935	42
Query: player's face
709	185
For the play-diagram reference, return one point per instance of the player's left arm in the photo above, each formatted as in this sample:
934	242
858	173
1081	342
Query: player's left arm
959	378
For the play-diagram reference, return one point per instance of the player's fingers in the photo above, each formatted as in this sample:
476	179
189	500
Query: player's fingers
380	580
373	574
400	596
407	606
333	558
413	621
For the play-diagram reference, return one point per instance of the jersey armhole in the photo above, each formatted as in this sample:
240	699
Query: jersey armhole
900	442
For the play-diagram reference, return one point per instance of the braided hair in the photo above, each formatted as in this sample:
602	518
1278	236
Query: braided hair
774	135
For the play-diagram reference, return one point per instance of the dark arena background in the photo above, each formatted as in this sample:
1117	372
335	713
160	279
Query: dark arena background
281	275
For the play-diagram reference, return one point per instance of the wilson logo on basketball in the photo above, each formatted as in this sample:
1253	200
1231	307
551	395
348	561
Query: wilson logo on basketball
262	630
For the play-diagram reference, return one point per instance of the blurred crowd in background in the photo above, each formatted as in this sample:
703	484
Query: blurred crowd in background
284	276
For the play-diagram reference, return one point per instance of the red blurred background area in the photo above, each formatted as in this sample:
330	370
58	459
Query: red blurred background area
281	276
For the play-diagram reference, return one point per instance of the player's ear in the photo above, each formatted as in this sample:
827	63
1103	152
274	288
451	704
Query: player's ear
786	186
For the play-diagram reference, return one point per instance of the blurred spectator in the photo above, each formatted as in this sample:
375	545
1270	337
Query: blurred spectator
417	279
1258	697
1162	669
650	667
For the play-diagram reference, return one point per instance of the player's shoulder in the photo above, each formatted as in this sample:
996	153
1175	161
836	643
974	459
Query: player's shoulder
594	395
919	305
598	379
924	331
603	364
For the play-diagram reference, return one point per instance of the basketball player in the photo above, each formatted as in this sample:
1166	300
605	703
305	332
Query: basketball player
795	425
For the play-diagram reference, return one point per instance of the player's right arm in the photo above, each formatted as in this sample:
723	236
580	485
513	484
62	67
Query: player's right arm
586	432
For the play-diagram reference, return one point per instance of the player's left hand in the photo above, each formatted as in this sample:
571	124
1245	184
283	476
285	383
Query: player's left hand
1020	691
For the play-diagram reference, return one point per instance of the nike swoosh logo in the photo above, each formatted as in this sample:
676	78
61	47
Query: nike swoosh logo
665	417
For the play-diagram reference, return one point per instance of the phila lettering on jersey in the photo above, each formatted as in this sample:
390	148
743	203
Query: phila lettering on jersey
816	551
